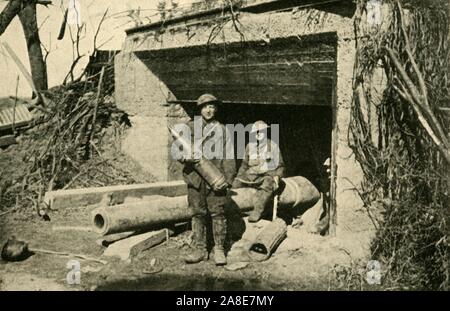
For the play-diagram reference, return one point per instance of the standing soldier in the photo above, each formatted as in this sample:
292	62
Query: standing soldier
201	197
261	168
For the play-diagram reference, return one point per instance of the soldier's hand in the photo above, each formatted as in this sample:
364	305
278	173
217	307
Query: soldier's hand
222	187
190	159
236	184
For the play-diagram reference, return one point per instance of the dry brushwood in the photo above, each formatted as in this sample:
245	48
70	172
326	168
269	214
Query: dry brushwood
63	149
405	155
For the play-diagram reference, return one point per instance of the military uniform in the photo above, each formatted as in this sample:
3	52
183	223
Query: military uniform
203	200
259	169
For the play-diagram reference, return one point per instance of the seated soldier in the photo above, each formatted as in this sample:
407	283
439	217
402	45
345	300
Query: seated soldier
262	168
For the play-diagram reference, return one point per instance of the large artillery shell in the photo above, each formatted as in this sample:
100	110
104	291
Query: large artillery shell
268	240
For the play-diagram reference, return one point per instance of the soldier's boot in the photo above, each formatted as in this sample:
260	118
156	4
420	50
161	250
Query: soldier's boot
321	226
219	231
199	252
260	202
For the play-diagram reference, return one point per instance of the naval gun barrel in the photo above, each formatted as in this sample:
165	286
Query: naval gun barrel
170	210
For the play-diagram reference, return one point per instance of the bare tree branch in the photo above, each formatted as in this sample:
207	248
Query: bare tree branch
62	30
422	96
9	12
76	55
13	8
47	51
27	17
98	29
410	94
20	65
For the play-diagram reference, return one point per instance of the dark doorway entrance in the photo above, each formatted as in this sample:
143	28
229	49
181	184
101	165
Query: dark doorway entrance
305	134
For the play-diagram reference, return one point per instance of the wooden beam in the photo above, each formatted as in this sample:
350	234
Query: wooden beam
21	67
157	238
227	102
333	167
130	247
9	12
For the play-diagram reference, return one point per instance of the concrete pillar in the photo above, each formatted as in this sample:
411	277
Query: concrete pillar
143	96
354	229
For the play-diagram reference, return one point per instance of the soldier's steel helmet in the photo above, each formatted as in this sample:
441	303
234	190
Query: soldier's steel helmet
259	126
207	99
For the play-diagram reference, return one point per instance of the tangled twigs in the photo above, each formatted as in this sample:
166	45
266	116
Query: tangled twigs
56	153
99	89
405	154
418	96
235	20
411	95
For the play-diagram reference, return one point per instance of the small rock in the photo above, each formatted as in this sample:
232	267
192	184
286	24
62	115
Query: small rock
153	270
236	266
153	262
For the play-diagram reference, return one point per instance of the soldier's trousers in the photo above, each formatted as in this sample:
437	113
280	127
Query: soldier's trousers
265	189
204	202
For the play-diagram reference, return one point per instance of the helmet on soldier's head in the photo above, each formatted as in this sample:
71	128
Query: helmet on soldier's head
259	126
207	99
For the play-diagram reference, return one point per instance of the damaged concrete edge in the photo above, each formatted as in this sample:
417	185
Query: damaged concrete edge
232	9
90	196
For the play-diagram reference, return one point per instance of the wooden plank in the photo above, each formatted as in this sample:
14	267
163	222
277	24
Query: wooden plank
317	45
287	70
334	143
21	66
132	246
90	196
156	239
14	115
212	61
282	95
280	74
206	61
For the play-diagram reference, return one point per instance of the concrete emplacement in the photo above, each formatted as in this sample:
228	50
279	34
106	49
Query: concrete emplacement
154	84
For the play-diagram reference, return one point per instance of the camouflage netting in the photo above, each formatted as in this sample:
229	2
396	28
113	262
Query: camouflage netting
404	150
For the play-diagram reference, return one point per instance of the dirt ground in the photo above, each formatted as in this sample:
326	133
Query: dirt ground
302	262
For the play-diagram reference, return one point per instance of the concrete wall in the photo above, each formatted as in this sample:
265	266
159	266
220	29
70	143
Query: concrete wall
140	94
354	229
144	97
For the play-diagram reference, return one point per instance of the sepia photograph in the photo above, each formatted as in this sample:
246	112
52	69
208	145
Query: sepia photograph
225	145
